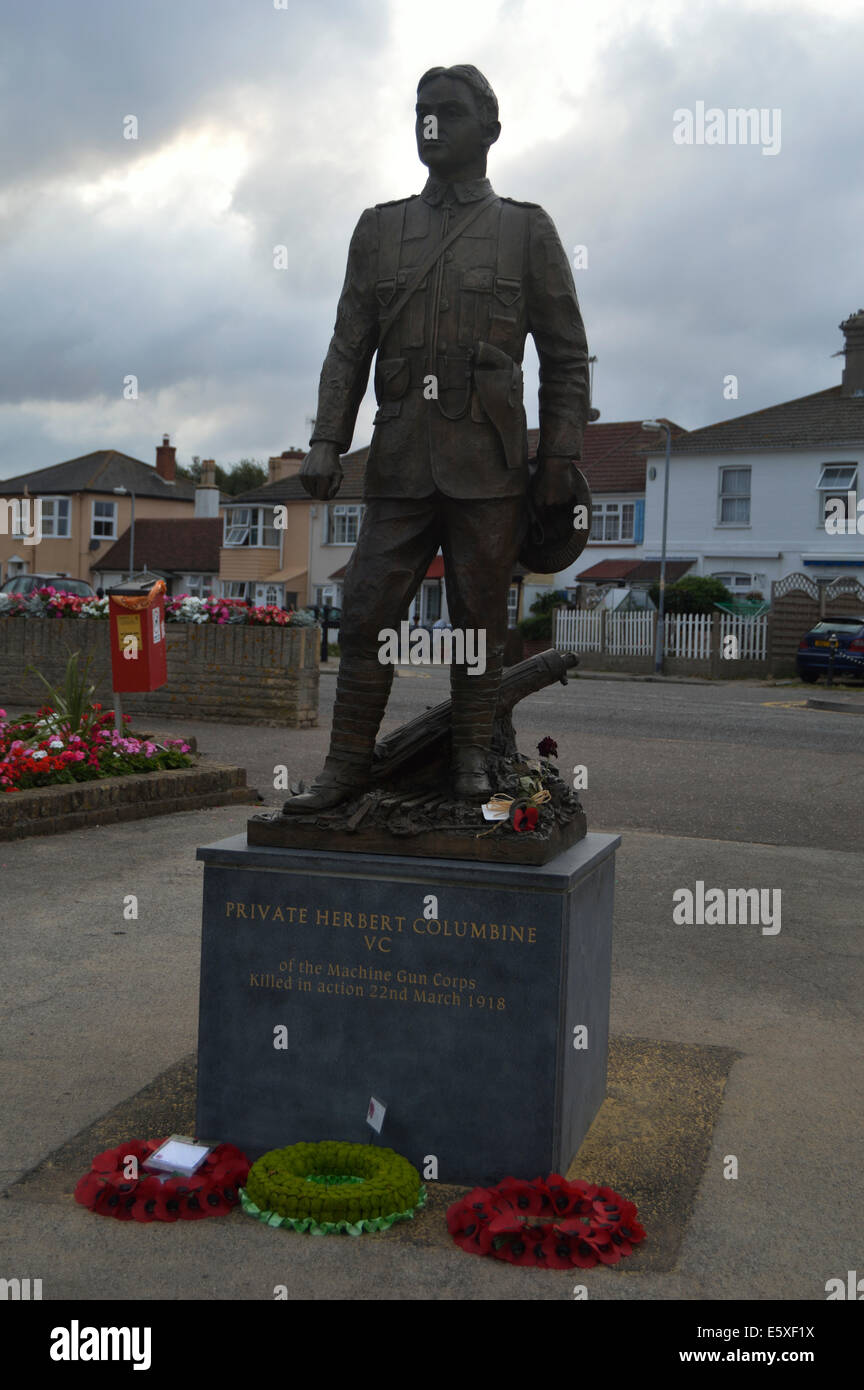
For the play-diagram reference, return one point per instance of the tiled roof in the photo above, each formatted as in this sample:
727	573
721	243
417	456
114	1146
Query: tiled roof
292	490
101	471
178	545
825	418
613	457
634	571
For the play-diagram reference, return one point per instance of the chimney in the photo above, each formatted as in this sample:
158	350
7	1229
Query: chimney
852	381
286	465
206	492
166	461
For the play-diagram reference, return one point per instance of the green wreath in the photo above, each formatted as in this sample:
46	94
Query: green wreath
331	1188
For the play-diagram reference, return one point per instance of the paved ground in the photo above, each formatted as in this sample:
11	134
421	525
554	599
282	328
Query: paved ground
711	783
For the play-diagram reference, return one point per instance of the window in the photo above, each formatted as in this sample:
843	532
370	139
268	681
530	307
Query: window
344	524
734	497
250	526
104	522
326	596
613	521
836	481
738	583
198	585
55	517
513	605
430	610
232	588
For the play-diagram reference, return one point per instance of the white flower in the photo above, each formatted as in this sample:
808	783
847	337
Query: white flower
38	754
56	743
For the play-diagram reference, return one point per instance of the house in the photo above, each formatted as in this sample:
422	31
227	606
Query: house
758	496
86	504
260	559
184	551
613	461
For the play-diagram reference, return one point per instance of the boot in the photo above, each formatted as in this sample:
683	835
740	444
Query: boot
362	689
475	701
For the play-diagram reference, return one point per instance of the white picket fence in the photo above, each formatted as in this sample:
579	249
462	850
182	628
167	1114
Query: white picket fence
578	630
688	635
629	634
750	637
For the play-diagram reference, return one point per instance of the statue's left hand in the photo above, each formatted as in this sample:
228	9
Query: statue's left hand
554	484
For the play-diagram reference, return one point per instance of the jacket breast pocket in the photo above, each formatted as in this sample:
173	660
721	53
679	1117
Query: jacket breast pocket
384	292
392	377
475	297
409	328
507	292
507	306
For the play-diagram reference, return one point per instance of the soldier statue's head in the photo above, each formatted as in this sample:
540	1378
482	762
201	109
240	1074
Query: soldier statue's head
463	108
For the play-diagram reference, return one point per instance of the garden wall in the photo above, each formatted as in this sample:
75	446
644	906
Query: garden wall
233	672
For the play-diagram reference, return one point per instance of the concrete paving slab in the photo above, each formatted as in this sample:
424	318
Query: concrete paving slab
98	1005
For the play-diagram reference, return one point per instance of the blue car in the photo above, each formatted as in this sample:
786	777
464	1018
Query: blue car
843	636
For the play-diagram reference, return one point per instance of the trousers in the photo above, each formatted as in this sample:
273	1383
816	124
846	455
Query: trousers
480	540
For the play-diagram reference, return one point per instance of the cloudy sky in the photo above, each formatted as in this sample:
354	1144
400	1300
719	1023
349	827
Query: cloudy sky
260	126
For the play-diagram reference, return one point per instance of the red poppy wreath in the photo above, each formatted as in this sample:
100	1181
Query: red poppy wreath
212	1190
549	1222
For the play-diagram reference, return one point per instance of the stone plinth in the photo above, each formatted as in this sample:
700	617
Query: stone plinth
473	999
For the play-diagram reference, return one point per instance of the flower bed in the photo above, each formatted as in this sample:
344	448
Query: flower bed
44	751
49	602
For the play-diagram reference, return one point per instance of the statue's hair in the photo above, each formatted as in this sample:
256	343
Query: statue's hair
487	102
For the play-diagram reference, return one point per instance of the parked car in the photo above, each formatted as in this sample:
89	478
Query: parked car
814	649
26	583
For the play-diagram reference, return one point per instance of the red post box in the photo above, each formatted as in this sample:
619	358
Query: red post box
137	620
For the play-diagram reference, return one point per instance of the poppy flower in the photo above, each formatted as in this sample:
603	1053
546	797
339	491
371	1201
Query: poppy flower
518	1250
600	1242
151	1196
564	1196
526	1197
525	818
92	1190
558	1252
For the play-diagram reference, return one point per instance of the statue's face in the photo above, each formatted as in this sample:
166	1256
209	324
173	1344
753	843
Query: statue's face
462	139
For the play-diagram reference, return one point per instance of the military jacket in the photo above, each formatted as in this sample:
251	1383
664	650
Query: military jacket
506	276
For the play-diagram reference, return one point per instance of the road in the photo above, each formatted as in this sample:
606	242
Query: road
730	761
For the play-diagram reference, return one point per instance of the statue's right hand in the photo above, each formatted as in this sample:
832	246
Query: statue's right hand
321	474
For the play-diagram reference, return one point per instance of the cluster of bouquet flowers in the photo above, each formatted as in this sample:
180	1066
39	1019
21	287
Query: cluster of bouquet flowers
48	602
43	751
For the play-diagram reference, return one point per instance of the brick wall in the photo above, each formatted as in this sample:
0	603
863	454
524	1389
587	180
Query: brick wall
240	674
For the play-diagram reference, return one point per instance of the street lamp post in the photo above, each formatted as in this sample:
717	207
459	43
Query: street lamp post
653	425
131	529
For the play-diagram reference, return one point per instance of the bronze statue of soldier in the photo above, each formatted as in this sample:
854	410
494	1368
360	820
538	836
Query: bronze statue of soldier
444	286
